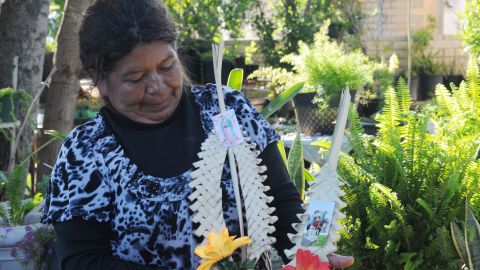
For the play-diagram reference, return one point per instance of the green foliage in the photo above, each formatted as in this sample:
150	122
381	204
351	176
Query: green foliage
202	20
423	56
471	27
235	79
35	250
232	265
54	20
250	50
294	21
278	78
405	186
467	243
328	68
281	99
383	77
295	165
15	208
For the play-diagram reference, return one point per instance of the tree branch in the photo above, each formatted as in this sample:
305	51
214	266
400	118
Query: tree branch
13	150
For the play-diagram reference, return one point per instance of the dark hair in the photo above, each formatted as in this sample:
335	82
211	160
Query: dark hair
112	28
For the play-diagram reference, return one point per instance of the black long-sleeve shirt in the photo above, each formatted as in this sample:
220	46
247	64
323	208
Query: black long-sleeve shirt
86	244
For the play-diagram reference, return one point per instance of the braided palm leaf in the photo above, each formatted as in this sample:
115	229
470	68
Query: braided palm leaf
325	188
257	212
206	197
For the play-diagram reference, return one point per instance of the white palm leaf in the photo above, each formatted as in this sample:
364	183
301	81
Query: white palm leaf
206	201
206	197
258	213
325	188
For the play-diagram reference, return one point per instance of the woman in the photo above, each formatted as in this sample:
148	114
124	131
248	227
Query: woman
118	192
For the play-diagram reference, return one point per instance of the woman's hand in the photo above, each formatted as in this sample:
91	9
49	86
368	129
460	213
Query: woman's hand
339	261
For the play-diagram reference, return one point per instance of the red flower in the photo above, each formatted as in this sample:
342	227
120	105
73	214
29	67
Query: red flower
307	261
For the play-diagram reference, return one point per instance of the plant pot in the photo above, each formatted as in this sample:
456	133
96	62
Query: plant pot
310	119
414	84
9	237
452	79
209	75
369	108
369	128
8	106
427	86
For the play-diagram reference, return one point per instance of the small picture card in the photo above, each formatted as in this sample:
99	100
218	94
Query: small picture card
227	128
319	218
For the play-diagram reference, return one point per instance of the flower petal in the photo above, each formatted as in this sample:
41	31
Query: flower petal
207	265
240	242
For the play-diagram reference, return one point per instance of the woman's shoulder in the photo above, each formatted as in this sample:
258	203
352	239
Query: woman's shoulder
208	94
87	134
257	127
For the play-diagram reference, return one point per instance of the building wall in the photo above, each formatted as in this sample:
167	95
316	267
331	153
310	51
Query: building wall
386	29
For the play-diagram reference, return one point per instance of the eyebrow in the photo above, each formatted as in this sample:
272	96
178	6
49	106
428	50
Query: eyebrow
131	72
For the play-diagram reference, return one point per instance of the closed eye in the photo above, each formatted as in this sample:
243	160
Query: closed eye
168	68
135	81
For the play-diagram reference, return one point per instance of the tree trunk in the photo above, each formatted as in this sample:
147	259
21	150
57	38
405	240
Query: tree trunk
1	2
23	32
62	94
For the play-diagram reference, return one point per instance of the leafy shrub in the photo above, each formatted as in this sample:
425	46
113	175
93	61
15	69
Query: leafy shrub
328	68
471	27
406	185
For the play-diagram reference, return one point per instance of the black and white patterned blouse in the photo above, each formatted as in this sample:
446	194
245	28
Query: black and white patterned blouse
95	180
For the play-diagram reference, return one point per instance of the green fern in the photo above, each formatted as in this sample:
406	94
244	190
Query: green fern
390	119
405	186
447	105
473	83
404	98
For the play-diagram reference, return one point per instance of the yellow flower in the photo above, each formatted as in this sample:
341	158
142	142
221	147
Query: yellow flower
220	246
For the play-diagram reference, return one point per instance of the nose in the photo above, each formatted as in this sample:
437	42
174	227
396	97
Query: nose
155	84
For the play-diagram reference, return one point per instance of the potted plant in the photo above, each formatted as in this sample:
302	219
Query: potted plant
327	69
12	213
36	248
451	77
424	63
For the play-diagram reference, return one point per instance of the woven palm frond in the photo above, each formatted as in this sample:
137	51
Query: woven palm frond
258	213
325	188
206	197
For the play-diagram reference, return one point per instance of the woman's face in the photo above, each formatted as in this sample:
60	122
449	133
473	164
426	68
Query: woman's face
146	84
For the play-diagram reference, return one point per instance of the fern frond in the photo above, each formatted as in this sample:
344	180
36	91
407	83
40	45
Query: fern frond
461	96
14	193
390	118
404	98
5	212
473	83
445	103
356	134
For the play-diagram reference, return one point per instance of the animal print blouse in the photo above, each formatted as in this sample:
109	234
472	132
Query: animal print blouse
95	180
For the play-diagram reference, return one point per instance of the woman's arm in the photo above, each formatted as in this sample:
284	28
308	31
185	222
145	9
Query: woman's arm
286	200
85	245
